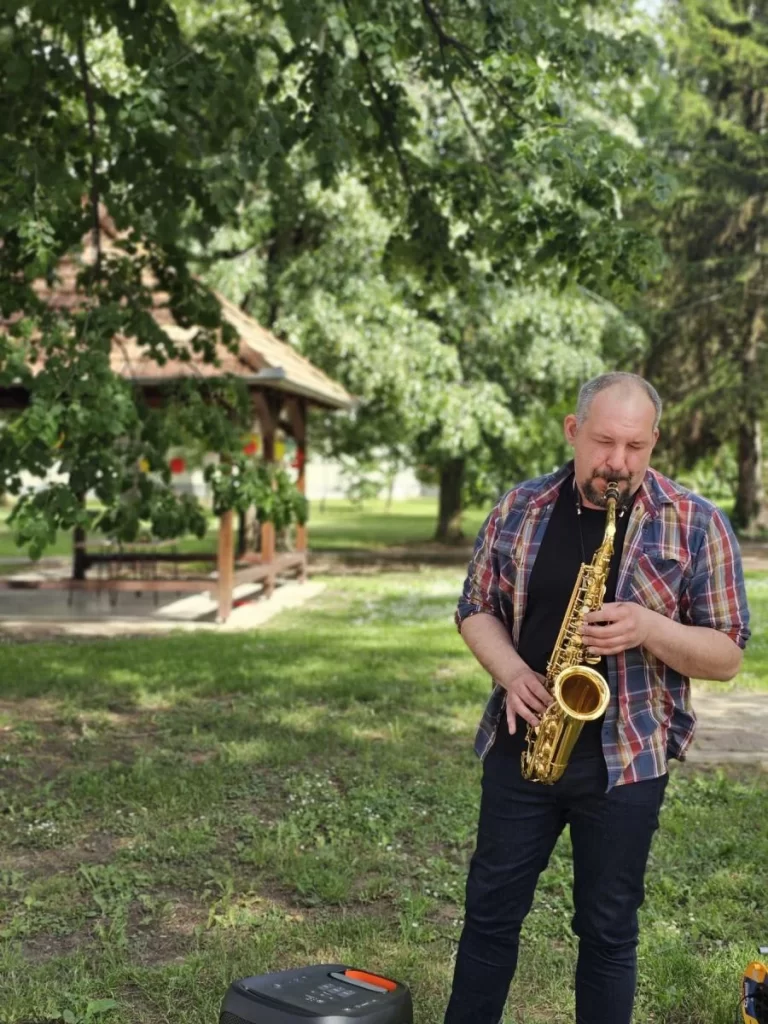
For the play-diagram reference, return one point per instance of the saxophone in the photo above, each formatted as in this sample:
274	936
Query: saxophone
580	693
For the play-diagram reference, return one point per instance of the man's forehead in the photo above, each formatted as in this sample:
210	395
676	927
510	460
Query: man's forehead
620	402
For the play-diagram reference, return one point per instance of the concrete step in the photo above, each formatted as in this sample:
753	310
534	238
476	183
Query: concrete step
204	606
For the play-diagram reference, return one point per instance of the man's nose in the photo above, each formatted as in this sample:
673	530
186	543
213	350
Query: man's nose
617	460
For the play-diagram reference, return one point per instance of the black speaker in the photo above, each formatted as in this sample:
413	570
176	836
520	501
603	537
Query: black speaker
320	994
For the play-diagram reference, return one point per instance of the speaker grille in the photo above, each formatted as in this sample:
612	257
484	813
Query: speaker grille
231	1018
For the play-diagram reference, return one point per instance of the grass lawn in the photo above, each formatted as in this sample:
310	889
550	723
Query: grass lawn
185	810
339	524
333	524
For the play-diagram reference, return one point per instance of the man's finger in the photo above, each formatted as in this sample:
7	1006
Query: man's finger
511	720
608	613
536	697
608	632
525	712
535	686
609	646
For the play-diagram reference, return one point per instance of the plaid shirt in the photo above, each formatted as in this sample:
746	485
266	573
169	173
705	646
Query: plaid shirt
680	558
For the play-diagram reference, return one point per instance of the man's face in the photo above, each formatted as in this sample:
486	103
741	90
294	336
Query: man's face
613	443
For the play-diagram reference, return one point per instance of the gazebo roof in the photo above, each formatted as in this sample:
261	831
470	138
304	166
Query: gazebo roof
261	360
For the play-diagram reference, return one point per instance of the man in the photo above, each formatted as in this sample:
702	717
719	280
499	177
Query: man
674	607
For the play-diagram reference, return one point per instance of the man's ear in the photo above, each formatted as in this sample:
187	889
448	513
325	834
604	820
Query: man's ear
570	426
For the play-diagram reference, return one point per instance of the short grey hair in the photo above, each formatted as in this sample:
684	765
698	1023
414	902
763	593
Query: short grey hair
593	387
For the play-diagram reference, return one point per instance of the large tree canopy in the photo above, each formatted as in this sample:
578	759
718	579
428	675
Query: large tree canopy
467	382
477	127
484	133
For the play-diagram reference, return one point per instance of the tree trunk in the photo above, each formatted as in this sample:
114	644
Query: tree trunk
391	485
79	559
449	514
79	556
748	514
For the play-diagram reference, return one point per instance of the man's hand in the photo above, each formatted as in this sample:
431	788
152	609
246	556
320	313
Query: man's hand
617	627
527	696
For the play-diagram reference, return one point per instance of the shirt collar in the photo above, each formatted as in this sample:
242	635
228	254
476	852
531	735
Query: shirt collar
651	495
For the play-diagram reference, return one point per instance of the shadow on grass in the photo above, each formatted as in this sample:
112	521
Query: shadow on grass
334	668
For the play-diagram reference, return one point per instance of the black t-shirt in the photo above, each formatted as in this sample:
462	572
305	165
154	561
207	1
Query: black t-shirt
553	578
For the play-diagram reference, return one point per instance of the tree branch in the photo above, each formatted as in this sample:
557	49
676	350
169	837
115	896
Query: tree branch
462	109
206	259
444	40
442	35
91	108
382	114
467	53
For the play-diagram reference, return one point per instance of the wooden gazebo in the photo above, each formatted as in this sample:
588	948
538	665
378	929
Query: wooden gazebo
282	385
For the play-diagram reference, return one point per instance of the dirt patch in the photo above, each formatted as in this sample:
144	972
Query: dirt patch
30	709
40	948
372	561
86	631
169	940
151	944
415	557
96	848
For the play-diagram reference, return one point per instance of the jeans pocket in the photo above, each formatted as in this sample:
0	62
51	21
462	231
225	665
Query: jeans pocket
641	800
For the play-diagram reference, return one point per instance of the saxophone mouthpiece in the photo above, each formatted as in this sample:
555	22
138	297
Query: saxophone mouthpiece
612	491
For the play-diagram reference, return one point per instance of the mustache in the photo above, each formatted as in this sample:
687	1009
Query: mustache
611	478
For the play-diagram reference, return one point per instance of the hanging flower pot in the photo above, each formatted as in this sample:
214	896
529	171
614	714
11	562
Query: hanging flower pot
298	462
252	445
144	465
177	465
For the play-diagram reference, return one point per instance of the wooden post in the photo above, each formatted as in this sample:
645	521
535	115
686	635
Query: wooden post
297	411
268	529
268	410
226	564
298	415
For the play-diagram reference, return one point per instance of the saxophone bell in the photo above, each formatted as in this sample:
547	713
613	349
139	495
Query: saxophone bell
582	693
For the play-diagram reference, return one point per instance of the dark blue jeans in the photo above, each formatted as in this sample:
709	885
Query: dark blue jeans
519	824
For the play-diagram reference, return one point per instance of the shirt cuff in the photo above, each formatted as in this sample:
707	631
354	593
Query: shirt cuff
466	611
739	635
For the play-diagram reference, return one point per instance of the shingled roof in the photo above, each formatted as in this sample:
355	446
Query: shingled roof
261	359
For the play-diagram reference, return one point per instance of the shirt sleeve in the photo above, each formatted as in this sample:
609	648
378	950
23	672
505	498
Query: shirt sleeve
481	587
717	594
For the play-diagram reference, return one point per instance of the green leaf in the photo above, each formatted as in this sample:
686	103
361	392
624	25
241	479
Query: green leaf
99	1006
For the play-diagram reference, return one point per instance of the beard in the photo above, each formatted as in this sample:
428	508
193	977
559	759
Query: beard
597	497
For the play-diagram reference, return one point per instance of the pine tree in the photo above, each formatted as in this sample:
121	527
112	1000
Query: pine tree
708	320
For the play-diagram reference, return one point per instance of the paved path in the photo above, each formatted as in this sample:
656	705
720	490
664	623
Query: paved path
97	620
732	728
